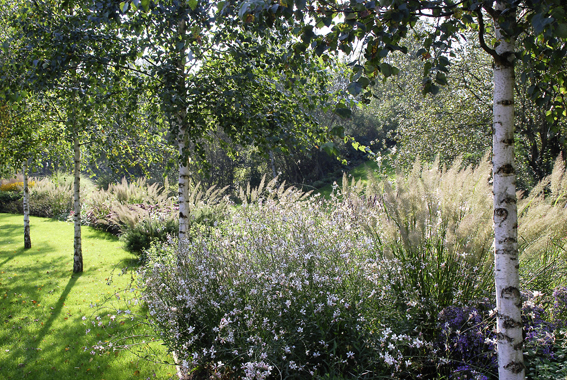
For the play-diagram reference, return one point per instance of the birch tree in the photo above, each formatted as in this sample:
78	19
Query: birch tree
214	72
64	63
531	31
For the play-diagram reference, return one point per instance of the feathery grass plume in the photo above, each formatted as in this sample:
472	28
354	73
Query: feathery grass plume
137	192
542	230
270	191
435	229
52	199
558	181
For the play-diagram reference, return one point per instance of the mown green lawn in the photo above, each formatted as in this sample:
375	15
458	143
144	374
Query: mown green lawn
42	305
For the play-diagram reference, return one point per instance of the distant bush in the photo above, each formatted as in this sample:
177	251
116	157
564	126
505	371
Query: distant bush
51	199
15	186
140	236
141	214
11	202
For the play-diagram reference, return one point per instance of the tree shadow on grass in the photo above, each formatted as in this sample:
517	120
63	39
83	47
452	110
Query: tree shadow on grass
33	355
102	235
6	256
57	345
10	232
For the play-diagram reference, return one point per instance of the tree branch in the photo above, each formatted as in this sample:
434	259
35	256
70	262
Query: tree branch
481	32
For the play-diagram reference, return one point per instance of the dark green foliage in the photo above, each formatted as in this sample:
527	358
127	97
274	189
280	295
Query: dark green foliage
139	237
10	201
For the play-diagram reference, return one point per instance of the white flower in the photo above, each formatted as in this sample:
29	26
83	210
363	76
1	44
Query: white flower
350	354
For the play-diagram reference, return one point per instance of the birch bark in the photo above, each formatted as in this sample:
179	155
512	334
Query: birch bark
78	252
182	144
508	301
27	237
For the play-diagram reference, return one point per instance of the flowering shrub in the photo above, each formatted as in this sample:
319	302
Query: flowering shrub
299	288
15	186
275	289
377	282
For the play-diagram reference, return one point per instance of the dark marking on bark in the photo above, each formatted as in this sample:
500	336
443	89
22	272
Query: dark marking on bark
182	216
510	292
507	240
501	213
508	141
504	59
515	367
505	251
506	102
511	324
507	169
509	200
501	337
518	346
27	239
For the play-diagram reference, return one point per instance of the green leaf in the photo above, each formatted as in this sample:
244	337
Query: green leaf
124	6
386	69
330	149
539	21
193	4
364	82
561	30
146	5
441	78
354	88
343	112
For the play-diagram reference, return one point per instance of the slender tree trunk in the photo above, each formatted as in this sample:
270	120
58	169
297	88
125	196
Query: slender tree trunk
27	238
508	301
78	252
183	194
182	146
275	174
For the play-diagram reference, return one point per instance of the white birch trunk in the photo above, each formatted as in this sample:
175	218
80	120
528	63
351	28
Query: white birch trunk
508	301
182	144
27	237
78	252
183	195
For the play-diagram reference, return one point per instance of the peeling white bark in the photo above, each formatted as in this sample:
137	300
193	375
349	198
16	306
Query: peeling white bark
78	252
508	301
182	145
27	237
183	195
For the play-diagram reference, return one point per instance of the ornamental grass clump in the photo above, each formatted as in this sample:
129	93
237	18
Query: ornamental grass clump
435	233
52	199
